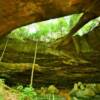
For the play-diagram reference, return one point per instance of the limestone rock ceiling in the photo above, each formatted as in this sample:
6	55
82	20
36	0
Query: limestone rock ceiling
16	13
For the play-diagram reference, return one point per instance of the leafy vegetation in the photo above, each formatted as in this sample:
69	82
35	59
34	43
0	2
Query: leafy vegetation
47	30
80	91
53	29
28	93
89	27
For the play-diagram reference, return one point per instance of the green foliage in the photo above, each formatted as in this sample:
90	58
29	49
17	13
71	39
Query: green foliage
1	89
82	91
19	33
27	93
89	26
53	29
1	97
46	30
72	20
52	89
20	88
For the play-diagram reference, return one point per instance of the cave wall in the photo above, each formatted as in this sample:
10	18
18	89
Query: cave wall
14	13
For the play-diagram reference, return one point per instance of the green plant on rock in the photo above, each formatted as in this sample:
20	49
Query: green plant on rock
28	93
52	90
20	88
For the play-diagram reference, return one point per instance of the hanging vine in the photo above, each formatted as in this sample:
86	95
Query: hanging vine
33	66
2	55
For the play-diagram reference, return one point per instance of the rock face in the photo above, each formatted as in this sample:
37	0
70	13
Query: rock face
61	66
14	13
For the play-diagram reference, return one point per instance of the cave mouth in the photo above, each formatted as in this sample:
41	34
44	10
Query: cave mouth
49	30
57	59
53	29
53	55
51	35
